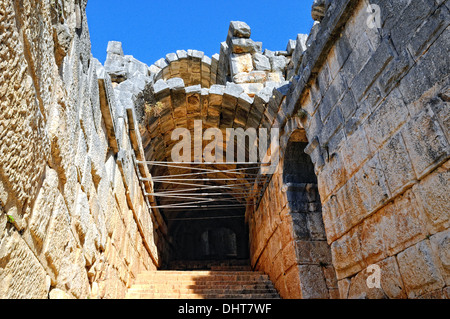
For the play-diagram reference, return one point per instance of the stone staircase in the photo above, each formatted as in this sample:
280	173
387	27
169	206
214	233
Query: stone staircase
229	265
202	284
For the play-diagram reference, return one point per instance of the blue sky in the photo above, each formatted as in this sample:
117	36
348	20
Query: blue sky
150	29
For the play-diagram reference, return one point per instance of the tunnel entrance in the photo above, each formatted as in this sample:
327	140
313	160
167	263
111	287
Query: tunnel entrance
207	239
204	208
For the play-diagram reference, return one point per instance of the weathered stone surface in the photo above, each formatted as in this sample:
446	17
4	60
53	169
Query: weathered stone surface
432	193
58	294
240	45
318	10
359	290
239	29
426	143
312	282
440	243
396	164
391	281
347	255
43	207
419	268
241	63
261	62
21	274
403	224
115	47
278	63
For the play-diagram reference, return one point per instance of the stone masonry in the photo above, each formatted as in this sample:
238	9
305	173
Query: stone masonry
362	104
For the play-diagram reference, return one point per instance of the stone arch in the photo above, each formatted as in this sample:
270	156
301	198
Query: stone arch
314	261
193	66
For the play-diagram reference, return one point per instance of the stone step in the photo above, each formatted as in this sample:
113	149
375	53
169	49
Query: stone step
202	273
215	286
237	268
200	282
202	292
222	276
200	296
170	284
233	264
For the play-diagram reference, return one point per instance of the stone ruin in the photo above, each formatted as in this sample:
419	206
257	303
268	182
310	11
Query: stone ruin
362	105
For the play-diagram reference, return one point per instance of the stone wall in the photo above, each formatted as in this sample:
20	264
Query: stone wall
374	105
74	221
378	110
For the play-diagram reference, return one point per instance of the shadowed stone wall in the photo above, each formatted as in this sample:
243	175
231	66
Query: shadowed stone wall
73	219
374	105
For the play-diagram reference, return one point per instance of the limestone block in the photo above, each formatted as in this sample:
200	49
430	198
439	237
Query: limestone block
69	191
313	252
290	47
315	226
347	255
432	193
419	269
386	120
440	243
85	226
372	185
195	54
331	218
116	68
43	207
99	218
330	279
239	29
135	67
175	83
331	176
318	10
73	275
300	48
59	241
359	289
396	164
276	77
251	77
312	282
241	63
355	151
373	246
426	142
391	281
86	176
153	69
402	224
261	62
278	63
93	92
97	153
161	63
344	286
58	294
24	282
115	47
240	45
